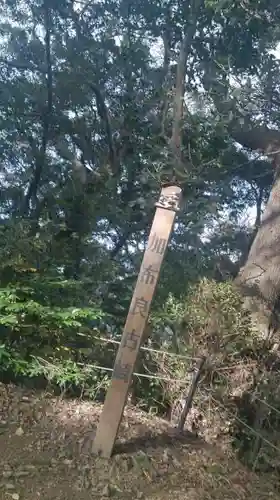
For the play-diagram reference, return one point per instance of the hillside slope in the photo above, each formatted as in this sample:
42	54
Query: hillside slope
44	443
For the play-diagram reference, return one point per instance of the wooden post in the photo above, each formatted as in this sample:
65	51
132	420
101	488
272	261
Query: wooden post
190	396
116	397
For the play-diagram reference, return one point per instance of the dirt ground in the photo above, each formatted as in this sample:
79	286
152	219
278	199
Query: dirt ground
45	454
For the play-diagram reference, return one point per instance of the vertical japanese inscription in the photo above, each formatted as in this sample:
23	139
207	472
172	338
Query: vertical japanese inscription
140	306
130	340
149	275
122	371
158	244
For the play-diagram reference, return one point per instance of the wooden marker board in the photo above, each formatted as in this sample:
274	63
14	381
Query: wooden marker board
107	430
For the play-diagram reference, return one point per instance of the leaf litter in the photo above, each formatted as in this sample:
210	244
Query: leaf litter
46	455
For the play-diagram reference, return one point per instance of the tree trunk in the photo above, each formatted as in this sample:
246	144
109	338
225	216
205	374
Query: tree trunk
259	279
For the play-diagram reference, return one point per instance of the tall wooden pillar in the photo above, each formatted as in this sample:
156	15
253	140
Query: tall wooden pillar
107	430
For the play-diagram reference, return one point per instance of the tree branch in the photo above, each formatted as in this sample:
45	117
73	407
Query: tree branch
127	234
164	82
241	128
178	103
46	117
21	66
103	113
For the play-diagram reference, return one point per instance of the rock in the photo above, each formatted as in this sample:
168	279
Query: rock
106	492
124	462
7	473
22	473
15	496
162	471
67	462
9	486
140	494
19	432
166	456
127	464
176	462
30	467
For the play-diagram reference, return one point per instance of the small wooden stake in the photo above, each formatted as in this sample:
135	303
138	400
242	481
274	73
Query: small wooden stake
107	430
190	396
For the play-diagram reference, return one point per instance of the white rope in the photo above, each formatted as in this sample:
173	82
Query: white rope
182	356
143	375
246	425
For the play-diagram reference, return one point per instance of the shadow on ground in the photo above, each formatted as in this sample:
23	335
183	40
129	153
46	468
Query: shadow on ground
164	439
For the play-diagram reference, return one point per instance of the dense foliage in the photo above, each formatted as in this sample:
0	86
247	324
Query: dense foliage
87	94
